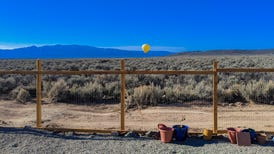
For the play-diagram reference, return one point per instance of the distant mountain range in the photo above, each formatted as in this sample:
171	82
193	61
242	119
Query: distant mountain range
79	51
74	51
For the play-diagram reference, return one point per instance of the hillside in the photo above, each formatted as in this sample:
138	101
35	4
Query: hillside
226	52
80	51
74	51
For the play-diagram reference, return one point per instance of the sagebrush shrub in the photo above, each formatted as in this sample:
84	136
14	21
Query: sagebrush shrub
13	94
174	88
7	84
22	96
232	94
92	92
58	91
259	91
148	95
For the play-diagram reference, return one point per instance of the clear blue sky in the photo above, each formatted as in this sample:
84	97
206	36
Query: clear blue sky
168	24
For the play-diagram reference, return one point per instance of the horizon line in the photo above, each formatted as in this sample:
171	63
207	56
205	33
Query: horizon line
130	48
173	49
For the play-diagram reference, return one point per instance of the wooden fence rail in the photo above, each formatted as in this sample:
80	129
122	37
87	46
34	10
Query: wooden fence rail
90	72
122	72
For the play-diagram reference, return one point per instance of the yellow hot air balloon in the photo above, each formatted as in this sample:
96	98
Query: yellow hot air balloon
145	48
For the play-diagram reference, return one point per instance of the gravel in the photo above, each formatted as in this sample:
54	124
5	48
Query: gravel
28	140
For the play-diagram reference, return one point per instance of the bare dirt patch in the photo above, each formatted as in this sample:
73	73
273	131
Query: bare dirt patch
107	116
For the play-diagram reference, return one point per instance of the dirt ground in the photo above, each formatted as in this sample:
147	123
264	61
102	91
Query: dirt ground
107	116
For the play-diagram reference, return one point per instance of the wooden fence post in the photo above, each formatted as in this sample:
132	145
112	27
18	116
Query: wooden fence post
215	96
38	94
122	96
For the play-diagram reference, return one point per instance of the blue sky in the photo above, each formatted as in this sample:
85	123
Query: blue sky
174	25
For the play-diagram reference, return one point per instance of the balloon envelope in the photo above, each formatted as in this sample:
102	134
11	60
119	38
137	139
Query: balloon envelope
145	48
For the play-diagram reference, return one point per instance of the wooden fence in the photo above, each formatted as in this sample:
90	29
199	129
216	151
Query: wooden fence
122	72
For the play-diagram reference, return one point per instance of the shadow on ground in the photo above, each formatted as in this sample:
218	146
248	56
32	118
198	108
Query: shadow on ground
67	135
192	141
198	142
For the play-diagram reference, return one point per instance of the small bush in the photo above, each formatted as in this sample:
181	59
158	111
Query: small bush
144	96
13	94
6	85
232	94
259	91
92	92
169	95
204	90
23	96
112	90
58	91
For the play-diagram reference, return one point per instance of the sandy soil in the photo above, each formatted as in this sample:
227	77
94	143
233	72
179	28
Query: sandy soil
106	116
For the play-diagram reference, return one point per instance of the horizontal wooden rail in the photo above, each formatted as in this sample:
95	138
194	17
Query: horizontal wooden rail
18	72
61	72
245	70
88	72
167	72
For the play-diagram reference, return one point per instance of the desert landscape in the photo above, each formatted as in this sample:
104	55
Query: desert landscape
100	76
92	102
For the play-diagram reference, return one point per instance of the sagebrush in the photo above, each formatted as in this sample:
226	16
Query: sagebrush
144	90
